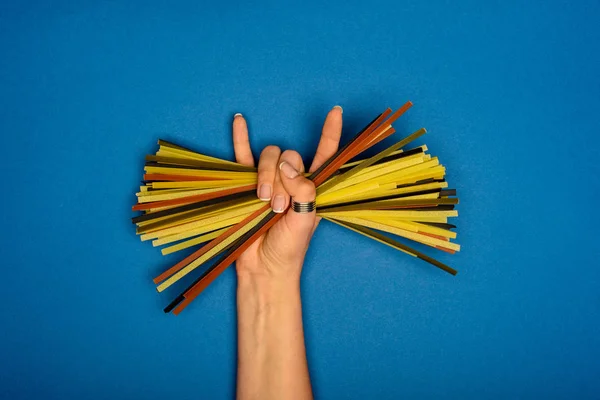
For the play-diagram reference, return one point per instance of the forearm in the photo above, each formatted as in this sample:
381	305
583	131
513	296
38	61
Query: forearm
271	352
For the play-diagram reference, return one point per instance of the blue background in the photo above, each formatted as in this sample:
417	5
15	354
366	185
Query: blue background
510	95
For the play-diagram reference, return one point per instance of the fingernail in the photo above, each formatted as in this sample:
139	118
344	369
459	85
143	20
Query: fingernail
278	203
264	192
340	107
237	115
288	170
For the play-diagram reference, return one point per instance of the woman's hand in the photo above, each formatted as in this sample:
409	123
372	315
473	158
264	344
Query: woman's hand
271	352
280	252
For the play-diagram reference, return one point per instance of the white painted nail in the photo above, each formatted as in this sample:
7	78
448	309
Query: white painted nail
278	203
340	107
237	115
264	192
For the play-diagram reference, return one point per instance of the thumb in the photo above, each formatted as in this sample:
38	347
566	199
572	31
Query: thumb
300	189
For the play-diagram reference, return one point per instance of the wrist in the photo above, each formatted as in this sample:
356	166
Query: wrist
266	272
264	290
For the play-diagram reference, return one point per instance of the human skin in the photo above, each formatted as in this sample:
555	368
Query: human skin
271	351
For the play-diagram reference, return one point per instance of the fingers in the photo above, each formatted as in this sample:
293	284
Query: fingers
330	138
241	143
299	188
281	199
269	186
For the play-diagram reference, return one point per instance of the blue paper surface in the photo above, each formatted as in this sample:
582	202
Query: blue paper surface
510	95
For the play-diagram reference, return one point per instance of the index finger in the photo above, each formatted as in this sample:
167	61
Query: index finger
330	138
241	143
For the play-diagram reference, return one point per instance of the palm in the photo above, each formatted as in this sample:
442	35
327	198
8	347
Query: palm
280	246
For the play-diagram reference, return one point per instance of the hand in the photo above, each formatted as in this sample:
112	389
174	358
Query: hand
280	252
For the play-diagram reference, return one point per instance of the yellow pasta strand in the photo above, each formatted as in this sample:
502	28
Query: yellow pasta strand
402	232
192	242
206	221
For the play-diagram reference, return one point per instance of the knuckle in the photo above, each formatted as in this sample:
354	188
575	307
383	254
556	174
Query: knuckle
268	160
271	149
290	154
294	158
307	188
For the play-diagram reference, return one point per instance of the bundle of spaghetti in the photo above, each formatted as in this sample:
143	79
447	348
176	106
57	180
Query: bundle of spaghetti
188	199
